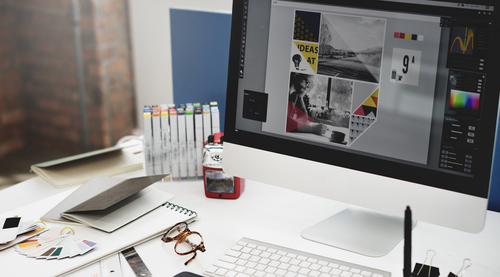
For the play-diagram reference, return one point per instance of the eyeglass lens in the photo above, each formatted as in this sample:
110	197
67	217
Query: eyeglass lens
175	232
188	243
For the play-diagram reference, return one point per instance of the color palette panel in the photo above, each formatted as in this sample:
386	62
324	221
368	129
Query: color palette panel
464	100
408	36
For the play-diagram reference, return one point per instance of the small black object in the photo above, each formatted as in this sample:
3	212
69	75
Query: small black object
423	271
187	274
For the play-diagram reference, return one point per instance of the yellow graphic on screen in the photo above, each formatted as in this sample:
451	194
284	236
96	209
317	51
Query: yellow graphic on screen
310	53
464	38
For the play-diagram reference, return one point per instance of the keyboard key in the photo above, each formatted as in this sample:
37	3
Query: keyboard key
274	263
241	262
265	254
346	274
228	259
305	264
325	269
336	271
315	266
240	268
259	274
254	259
283	266
264	261
344	268
221	271
226	265
355	270
314	273
250	264
270	269
284	259
249	271
233	253
303	258
293	268
312	260
322	262
304	270
260	267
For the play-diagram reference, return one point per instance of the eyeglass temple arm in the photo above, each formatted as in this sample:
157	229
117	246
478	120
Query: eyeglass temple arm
192	258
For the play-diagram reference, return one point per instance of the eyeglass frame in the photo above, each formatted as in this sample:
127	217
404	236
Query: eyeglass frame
181	238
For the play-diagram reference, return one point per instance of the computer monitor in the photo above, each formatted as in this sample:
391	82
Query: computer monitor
378	104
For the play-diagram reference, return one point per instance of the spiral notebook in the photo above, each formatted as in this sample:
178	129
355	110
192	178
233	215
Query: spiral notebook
149	226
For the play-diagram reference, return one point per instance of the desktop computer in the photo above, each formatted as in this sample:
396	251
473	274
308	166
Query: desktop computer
379	104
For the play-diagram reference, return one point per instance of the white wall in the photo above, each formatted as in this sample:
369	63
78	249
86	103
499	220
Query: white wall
152	60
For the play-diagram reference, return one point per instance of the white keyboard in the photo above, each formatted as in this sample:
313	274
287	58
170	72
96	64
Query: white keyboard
250	257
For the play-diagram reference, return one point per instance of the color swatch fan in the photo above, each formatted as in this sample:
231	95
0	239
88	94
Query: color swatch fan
56	243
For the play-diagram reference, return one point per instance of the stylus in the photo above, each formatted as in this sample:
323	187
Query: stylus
407	241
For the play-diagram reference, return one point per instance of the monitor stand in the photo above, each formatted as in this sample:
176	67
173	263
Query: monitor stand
359	230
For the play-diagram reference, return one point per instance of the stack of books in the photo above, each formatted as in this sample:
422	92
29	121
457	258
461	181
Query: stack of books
174	138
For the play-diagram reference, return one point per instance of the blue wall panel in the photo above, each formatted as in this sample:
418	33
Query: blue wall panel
200	56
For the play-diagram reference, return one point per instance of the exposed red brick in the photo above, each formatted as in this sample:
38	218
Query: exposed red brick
110	6
38	74
117	66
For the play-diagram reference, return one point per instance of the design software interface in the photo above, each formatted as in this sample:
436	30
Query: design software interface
406	87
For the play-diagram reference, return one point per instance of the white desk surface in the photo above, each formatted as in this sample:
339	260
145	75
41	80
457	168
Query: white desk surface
278	216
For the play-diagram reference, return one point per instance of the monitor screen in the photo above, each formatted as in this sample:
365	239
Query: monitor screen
399	94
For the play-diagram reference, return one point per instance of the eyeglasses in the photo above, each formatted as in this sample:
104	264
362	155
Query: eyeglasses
187	241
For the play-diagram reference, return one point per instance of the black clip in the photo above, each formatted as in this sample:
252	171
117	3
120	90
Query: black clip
423	270
466	264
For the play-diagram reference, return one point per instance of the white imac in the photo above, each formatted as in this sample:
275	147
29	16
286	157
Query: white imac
377	104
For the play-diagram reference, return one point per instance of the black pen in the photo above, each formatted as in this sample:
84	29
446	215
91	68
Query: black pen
407	240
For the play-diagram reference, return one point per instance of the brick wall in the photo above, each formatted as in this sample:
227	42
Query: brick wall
39	80
12	129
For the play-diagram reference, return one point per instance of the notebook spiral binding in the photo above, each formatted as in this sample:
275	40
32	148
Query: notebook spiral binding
180	209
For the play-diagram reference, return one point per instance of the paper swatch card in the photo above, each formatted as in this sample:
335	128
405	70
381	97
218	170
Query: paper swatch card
55	244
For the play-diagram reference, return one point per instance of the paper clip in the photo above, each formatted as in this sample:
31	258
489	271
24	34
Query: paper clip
432	271
69	229
41	222
466	264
